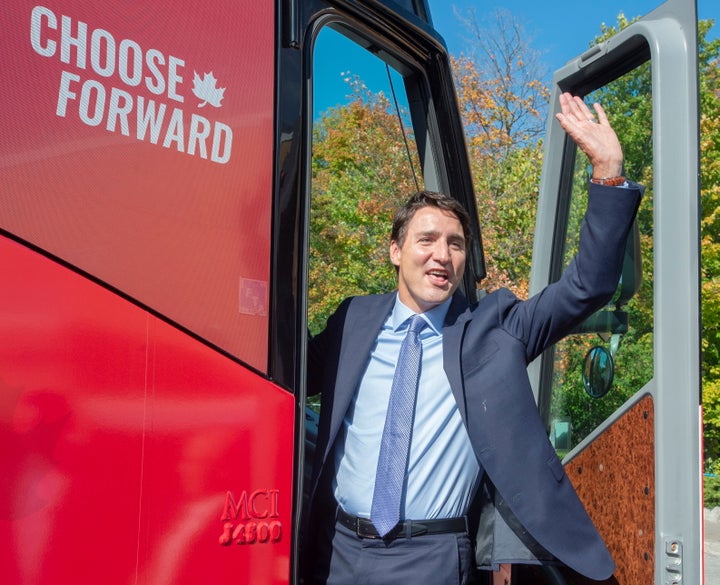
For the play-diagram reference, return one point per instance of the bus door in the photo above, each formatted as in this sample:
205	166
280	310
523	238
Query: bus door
383	123
621	396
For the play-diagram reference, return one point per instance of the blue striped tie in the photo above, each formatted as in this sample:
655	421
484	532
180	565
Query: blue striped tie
395	444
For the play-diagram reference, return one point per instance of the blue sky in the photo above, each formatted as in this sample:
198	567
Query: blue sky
560	29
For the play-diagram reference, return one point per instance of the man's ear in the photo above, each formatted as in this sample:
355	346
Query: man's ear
395	253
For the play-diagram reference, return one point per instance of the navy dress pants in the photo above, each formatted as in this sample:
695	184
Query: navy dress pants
429	559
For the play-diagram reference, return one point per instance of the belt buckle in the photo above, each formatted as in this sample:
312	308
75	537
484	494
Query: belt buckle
365	529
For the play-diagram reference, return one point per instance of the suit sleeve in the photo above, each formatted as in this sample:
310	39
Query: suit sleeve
590	279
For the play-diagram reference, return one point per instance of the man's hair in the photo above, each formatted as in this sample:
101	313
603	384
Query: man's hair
404	215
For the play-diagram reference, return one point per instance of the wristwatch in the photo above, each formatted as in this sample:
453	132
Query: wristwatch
609	181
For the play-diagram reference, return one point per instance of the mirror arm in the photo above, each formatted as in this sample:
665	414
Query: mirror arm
604	321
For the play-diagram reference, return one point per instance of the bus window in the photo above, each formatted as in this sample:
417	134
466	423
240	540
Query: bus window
365	163
624	328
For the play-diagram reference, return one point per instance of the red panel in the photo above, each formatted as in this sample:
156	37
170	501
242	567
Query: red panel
120	438
136	142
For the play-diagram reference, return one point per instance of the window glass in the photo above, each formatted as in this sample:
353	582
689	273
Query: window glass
575	411
365	163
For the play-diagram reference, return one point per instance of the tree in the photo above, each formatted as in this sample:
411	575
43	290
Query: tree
360	175
709	60
504	104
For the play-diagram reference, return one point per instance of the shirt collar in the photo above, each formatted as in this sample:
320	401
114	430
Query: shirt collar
435	317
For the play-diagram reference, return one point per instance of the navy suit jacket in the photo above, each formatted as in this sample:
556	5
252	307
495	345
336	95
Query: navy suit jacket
530	511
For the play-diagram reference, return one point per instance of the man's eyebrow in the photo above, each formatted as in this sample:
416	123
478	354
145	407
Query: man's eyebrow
453	238
429	233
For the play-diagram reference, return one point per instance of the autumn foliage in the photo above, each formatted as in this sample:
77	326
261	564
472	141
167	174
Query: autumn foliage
504	104
360	176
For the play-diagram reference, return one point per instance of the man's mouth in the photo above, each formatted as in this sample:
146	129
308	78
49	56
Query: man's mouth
438	276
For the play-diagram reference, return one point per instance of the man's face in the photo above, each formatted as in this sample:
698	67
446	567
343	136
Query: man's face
431	260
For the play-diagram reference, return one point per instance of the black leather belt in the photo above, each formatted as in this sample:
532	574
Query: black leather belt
365	529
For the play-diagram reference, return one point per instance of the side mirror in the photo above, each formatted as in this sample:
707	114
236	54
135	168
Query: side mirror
598	372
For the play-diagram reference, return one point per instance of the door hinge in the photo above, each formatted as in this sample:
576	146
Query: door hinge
673	562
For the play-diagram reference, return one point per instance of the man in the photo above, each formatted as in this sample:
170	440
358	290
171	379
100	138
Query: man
478	479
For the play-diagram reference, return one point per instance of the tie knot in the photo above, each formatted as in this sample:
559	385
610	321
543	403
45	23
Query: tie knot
417	323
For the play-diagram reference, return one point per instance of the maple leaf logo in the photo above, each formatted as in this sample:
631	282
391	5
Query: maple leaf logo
206	89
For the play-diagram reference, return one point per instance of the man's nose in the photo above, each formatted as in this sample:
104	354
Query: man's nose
441	252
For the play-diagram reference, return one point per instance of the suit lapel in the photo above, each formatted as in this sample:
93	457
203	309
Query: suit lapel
457	318
363	321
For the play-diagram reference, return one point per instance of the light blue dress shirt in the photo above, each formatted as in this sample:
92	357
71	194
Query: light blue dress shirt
442	468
